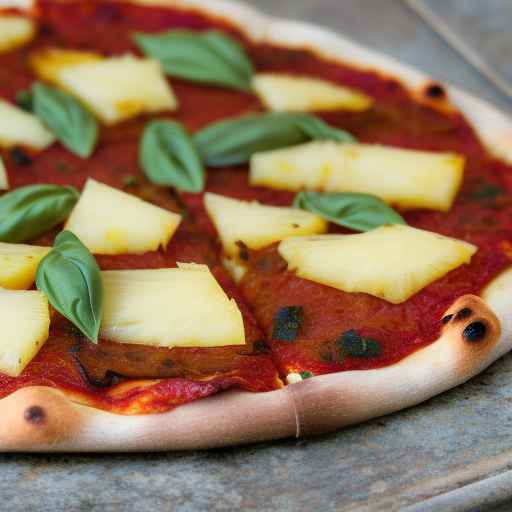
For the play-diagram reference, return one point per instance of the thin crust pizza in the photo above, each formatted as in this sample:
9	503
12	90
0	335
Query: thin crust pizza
217	228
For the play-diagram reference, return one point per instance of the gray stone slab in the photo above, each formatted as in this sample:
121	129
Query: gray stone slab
448	442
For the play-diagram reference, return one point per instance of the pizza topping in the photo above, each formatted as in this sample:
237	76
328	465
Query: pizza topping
24	100
19	157
18	264
390	262
209	57
234	141
306	375
406	178
110	221
287	323
257	225
172	307
70	277
292	93
74	126
25	320
475	331
118	88
169	157
47	63
15	31
360	212
31	211
18	127
4	178
356	346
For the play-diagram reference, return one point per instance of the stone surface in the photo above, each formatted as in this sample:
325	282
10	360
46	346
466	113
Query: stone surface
454	439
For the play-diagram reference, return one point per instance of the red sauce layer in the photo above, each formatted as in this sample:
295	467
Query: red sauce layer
482	215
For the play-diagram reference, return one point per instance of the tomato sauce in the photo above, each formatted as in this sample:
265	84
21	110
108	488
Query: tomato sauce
482	215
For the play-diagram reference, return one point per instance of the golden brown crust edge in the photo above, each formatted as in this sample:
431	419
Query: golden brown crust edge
44	419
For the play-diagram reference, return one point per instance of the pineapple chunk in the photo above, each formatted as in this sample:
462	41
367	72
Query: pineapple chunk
118	88
235	267
18	264
25	320
4	178
406	178
109	221
18	127
49	62
390	262
173	307
305	94
15	31
257	225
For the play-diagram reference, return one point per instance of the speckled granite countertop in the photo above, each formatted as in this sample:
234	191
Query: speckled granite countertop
455	439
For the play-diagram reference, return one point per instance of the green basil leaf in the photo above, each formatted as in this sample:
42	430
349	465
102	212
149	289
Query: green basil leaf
169	157
28	212
234	141
360	212
209	57
71	279
71	123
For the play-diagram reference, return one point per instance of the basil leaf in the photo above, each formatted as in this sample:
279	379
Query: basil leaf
71	279
169	157
357	346
209	57
360	212
72	124
28	212
234	141
287	323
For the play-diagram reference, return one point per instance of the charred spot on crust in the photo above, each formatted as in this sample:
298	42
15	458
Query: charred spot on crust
243	250
446	319
287	323
463	313
435	91
35	414
475	331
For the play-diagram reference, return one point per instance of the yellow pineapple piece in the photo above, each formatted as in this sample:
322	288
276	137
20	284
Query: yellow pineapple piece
25	320
15	31
173	307
109	221
257	225
47	63
4	178
18	264
19	128
117	88
390	262
292	93
408	179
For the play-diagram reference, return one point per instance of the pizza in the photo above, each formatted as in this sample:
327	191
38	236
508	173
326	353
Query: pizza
216	228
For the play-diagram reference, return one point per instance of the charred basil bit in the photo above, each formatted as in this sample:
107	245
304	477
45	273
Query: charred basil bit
110	378
20	157
24	100
487	192
306	375
463	313
287	323
357	346
130	181
435	91
446	319
475	331
260	347
243	253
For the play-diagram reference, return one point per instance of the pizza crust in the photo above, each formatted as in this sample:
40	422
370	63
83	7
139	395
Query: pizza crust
44	419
